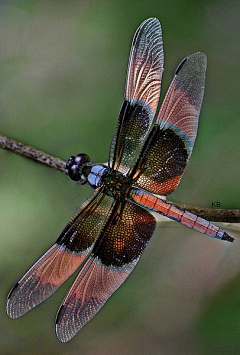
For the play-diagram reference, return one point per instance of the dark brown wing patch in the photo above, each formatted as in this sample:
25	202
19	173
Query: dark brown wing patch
163	162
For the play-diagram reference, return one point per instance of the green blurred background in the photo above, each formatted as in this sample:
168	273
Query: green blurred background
63	68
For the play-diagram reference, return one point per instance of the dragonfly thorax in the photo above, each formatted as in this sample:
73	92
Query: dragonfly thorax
116	184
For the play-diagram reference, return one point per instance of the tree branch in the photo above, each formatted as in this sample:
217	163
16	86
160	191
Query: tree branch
211	214
217	215
31	153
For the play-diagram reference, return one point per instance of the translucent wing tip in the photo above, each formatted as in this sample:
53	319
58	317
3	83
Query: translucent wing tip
63	332
151	19
197	57
15	307
9	308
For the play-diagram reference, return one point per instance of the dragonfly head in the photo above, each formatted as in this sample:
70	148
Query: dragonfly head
75	166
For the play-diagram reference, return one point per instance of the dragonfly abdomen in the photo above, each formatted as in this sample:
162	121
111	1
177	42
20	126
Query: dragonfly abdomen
177	214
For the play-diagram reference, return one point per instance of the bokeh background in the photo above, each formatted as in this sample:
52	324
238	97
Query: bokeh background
63	67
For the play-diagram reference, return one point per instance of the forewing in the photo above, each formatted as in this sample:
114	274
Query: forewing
114	256
141	98
169	146
62	259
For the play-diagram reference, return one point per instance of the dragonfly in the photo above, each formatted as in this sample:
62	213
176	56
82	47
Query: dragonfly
149	152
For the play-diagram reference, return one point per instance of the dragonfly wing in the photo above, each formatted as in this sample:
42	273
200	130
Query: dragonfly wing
62	259
182	103
141	98
114	256
170	144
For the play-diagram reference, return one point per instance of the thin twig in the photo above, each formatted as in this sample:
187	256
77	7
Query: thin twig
31	153
217	215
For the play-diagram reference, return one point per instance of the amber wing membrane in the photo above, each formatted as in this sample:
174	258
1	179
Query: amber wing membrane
63	258
141	98
114	256
168	148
